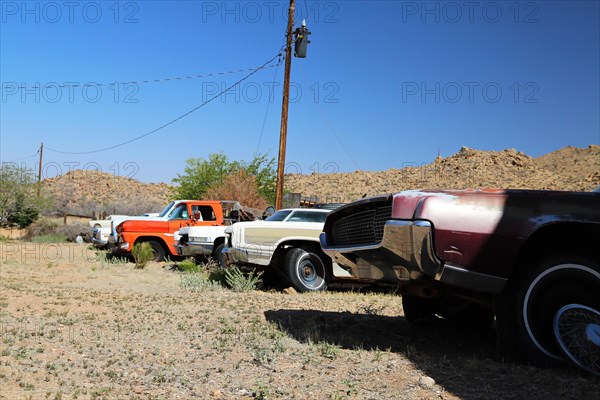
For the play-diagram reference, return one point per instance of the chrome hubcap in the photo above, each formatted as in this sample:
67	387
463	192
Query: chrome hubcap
593	333
577	330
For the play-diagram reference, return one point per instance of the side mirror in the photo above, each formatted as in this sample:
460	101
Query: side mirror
268	212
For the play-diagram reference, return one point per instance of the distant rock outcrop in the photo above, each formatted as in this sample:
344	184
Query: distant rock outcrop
86	192
569	168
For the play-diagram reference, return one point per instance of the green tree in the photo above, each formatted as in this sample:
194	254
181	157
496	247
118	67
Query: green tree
19	204
200	175
20	214
263	168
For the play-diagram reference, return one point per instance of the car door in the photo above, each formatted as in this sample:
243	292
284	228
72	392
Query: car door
178	218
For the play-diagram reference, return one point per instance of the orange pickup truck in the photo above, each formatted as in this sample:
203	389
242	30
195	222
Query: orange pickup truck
160	233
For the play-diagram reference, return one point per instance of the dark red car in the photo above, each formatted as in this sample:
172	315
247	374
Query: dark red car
531	259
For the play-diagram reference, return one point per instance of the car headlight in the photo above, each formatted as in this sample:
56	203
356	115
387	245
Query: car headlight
200	239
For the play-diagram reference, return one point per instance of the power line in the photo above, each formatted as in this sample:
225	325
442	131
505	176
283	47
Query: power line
306	5
173	120
177	78
332	129
267	111
336	136
23	158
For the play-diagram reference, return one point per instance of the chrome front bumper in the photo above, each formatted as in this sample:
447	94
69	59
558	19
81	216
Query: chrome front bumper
406	252
235	256
191	249
99	242
119	247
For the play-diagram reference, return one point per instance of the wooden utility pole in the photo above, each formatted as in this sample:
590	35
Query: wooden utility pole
39	182
284	108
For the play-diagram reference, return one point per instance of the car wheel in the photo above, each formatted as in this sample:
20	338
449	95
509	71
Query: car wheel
218	256
158	251
306	269
526	309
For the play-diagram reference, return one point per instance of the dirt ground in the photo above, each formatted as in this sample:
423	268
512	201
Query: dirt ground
77	327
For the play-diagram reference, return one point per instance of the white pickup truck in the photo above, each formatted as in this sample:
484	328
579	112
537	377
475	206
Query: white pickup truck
204	241
101	230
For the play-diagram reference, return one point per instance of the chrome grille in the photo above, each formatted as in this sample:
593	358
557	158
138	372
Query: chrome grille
364	227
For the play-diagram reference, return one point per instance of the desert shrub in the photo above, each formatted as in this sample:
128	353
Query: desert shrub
198	280
239	186
73	230
218	275
239	281
43	226
187	265
49	227
205	276
142	253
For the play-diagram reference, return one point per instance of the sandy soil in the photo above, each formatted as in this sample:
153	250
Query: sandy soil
74	326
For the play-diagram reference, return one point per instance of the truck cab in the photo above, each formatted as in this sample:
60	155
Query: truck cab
159	232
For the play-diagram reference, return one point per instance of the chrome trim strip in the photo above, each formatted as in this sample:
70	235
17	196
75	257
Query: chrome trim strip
248	256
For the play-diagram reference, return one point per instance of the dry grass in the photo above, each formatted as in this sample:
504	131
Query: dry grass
75	326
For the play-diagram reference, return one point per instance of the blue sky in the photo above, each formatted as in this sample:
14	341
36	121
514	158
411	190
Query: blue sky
386	83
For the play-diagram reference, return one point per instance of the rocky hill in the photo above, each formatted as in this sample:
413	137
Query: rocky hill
569	168
86	192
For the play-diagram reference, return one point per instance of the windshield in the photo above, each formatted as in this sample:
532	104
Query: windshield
166	209
180	212
308	216
279	215
298	216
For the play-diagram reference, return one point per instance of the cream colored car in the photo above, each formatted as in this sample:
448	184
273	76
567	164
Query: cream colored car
288	240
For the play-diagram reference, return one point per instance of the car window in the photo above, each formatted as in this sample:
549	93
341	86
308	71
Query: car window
307	216
279	215
208	214
597	190
180	212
